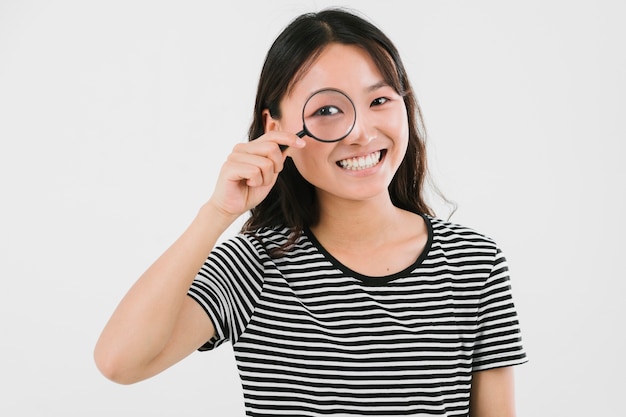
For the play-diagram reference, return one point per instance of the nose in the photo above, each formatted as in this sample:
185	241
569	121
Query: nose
363	132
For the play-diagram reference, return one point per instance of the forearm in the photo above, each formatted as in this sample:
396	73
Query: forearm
144	321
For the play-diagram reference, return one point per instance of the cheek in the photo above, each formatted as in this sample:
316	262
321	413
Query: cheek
405	133
403	123
310	160
398	128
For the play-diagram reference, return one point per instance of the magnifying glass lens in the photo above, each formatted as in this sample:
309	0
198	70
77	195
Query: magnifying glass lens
328	116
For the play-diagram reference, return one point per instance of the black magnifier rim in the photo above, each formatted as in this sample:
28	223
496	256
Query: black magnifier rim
305	130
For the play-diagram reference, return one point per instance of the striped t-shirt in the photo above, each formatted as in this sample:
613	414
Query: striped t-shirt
313	338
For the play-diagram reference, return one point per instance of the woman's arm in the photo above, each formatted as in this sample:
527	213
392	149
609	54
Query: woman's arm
492	393
156	324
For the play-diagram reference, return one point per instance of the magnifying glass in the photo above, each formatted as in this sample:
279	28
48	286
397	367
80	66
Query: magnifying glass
328	116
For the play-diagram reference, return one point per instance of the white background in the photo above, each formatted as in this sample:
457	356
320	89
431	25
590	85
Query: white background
115	117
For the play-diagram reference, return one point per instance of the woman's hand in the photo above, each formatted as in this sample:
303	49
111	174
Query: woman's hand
250	172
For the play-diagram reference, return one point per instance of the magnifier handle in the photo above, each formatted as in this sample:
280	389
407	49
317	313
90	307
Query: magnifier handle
300	134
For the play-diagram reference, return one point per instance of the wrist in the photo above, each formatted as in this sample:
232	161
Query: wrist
213	214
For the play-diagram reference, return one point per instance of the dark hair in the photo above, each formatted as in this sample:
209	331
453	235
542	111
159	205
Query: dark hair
292	201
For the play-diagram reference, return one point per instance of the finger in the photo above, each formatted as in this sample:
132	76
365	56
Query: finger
298	143
283	139
268	150
242	173
255	169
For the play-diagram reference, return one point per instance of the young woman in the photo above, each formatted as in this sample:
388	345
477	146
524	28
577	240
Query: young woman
343	294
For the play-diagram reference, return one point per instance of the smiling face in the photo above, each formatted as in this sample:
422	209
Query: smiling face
361	166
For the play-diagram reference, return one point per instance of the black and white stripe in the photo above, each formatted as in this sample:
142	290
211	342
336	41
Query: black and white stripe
313	338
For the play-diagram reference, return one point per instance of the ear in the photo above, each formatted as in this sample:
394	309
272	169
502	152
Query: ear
269	123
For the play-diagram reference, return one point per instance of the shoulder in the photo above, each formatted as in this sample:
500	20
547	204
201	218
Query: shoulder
454	231
267	239
252	246
466	249
454	236
266	242
246	254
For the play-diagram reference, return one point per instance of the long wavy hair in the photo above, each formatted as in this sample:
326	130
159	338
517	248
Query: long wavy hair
292	201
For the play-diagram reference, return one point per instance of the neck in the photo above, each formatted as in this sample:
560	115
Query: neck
356	222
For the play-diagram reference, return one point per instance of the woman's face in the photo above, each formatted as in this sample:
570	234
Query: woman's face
362	165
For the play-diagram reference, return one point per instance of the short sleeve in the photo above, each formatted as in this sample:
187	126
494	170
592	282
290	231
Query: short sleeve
228	287
498	340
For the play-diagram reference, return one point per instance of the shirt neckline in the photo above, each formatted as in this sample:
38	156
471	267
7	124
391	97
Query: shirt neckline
376	280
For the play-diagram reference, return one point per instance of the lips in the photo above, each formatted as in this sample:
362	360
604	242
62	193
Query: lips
361	162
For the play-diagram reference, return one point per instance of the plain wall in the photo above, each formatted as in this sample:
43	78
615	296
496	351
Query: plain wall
116	116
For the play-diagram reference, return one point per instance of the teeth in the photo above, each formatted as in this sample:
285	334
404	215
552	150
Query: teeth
361	162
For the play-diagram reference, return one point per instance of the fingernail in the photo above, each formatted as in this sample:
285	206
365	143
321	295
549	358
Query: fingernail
300	143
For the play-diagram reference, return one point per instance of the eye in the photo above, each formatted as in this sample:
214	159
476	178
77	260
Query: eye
327	111
379	101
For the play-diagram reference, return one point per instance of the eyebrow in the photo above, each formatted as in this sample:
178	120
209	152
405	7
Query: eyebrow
380	84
